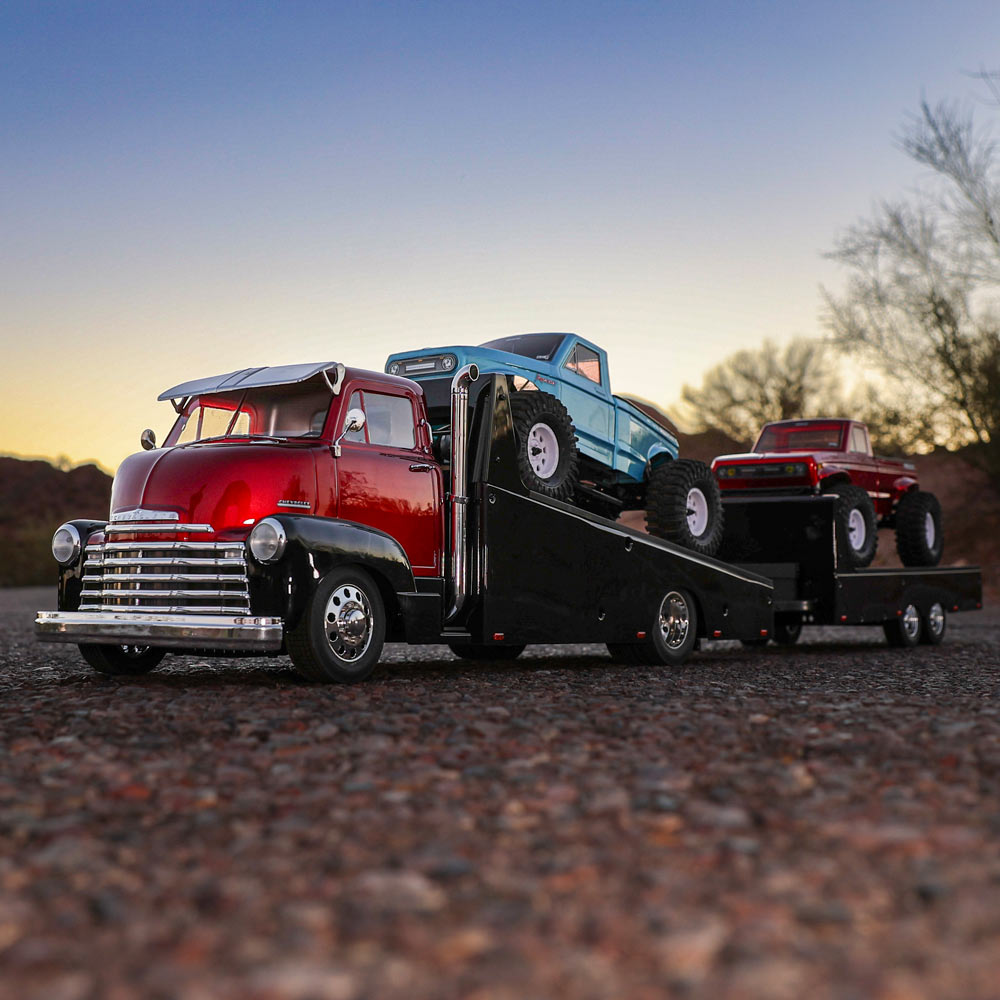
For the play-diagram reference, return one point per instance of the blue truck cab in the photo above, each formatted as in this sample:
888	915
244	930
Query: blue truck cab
611	431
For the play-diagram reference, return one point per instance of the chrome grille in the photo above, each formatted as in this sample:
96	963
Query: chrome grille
168	577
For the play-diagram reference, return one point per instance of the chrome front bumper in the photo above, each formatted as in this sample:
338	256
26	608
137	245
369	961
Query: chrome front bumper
242	632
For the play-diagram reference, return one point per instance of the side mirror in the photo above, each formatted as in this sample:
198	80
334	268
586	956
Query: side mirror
148	440
355	422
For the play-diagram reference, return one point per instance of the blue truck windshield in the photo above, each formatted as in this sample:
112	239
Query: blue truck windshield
540	346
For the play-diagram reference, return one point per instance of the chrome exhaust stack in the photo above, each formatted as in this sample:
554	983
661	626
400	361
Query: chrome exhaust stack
459	569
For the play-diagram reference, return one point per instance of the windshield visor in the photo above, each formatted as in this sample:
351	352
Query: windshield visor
277	411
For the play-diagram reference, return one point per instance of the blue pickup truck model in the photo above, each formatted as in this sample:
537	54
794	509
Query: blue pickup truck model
578	441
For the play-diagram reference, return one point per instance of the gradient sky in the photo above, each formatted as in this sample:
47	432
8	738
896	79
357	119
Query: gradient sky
188	188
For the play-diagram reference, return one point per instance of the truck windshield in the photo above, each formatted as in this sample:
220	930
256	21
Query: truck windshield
808	437
540	346
275	411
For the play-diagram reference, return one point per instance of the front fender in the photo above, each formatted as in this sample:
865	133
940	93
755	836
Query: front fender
71	576
315	546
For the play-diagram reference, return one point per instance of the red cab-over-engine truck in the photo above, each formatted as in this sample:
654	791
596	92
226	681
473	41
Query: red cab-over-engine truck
307	510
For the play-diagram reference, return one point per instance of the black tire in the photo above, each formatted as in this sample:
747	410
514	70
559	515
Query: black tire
905	630
933	624
787	629
480	651
856	514
341	633
672	636
120	661
682	498
541	424
919	541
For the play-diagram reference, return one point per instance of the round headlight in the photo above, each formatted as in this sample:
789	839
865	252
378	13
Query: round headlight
66	544
447	362
267	540
394	368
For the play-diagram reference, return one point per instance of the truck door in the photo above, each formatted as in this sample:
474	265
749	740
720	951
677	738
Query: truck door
588	400
386	481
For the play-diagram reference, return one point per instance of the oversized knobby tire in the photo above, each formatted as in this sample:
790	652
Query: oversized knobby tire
683	505
856	514
933	624
340	635
905	630
547	455
120	661
480	651
919	541
671	637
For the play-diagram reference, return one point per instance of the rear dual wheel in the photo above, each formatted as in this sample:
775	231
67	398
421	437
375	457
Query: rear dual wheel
671	637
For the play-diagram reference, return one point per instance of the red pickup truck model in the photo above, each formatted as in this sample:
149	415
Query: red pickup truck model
826	455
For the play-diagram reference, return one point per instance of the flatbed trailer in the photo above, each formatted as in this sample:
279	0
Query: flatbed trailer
798	543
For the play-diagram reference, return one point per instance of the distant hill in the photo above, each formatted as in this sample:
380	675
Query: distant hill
35	498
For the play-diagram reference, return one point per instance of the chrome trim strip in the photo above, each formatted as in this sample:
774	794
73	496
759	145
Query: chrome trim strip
145	514
172	610
162	595
193	631
167	528
168	578
169	546
188	561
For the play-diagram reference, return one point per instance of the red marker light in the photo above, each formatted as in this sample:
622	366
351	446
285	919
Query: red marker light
843	618
640	635
498	636
763	633
717	634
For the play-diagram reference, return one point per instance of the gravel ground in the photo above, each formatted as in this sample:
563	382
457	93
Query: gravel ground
822	822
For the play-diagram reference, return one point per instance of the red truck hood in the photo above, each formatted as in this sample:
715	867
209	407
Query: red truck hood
774	456
225	485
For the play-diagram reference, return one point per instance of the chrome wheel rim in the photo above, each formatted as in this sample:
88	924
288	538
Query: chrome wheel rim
930	530
697	512
675	620
543	450
935	619
347	623
911	621
857	530
134	652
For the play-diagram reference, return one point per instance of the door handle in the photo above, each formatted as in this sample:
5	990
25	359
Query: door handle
421	467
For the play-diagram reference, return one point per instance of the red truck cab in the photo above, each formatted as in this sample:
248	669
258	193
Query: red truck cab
834	455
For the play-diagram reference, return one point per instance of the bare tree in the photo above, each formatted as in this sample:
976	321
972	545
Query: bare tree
923	282
752	387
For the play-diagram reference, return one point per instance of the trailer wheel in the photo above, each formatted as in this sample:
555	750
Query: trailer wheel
856	513
671	638
481	651
683	505
119	661
904	630
547	456
340	636
933	624
918	529
787	629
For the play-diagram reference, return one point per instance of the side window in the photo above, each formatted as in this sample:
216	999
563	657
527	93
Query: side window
858	440
585	362
355	404
389	420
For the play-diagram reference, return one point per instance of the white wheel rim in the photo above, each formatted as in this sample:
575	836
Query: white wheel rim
543	451
911	621
697	512
930	530
675	620
348	623
935	619
857	530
